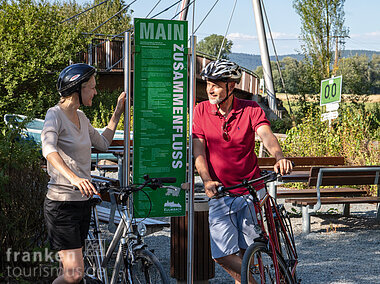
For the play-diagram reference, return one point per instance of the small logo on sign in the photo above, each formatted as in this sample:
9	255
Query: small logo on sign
74	77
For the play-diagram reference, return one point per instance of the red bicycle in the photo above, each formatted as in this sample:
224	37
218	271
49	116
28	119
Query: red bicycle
272	257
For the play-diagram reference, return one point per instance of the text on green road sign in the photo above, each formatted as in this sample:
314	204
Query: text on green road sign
331	90
160	113
178	111
161	31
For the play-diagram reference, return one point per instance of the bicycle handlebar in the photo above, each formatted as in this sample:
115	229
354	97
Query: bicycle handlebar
267	177
154	183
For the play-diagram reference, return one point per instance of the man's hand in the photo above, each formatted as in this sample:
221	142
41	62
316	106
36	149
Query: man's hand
283	166
211	188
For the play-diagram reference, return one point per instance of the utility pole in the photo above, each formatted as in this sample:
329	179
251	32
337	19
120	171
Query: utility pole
335	67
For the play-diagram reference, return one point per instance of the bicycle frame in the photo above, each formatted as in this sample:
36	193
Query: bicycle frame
99	253
124	233
129	240
267	207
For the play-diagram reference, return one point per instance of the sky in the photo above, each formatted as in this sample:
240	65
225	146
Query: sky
361	17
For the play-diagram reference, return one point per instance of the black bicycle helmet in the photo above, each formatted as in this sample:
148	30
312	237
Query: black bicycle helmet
222	70
71	78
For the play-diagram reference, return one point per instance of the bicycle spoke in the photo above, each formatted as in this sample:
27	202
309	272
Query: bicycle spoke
146	269
258	266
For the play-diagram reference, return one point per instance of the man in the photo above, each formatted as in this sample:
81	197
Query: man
224	141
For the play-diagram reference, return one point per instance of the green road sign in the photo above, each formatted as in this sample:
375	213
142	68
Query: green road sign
160	113
331	90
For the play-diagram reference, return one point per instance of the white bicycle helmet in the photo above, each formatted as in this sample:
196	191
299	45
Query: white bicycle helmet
222	70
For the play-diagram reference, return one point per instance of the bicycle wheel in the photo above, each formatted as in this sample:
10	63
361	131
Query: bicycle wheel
147	269
258	265
285	237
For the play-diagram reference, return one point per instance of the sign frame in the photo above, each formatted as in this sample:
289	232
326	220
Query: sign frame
332	85
160	113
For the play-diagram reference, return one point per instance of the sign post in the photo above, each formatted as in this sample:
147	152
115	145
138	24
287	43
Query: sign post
331	93
160	113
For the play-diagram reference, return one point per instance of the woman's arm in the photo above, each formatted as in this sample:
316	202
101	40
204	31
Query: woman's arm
84	185
109	132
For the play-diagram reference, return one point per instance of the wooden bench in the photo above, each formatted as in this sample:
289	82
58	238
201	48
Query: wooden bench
302	164
335	176
301	171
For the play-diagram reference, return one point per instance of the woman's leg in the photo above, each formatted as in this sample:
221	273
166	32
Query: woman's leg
73	269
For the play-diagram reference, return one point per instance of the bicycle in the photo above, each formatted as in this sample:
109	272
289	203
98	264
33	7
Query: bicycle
272	257
139	264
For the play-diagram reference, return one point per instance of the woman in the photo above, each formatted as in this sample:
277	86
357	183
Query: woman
67	138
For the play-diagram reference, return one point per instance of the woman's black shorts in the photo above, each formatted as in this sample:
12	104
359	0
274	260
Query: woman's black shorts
67	223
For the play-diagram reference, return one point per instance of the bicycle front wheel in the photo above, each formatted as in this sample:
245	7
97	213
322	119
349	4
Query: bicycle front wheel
147	269
258	266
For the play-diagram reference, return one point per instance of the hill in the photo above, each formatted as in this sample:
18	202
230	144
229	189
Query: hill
252	61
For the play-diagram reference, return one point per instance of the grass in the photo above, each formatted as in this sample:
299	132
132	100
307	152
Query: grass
371	100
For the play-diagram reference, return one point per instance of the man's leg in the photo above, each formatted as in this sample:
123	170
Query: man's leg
231	264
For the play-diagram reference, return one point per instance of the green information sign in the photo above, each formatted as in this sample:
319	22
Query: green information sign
160	113
331	90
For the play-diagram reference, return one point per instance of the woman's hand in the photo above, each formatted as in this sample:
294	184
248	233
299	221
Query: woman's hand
85	186
120	107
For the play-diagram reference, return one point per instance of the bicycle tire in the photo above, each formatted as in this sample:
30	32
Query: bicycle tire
287	248
147	269
261	256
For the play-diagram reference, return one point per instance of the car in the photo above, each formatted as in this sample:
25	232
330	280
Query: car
34	128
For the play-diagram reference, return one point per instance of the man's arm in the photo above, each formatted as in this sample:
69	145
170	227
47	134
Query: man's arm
270	142
202	167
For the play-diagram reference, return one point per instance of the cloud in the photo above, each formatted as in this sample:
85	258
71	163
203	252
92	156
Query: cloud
275	35
240	36
375	34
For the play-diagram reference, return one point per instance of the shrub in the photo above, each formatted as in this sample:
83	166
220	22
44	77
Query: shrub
103	106
22	190
354	135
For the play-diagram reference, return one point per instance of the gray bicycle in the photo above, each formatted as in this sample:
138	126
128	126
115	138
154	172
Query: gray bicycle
134	263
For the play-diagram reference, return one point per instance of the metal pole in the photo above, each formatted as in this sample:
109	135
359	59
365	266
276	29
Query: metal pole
183	15
190	216
267	71
127	114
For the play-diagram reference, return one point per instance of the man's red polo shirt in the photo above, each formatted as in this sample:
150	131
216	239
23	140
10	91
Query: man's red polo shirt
230	162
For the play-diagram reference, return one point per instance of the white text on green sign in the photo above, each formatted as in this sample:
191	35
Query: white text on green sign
160	112
331	90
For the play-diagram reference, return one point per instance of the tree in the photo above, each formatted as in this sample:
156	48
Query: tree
296	75
36	43
374	74
110	18
34	47
322	21
211	45
355	73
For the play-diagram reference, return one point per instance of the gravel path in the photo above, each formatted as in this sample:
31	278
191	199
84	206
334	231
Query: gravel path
338	249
